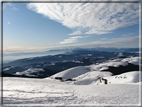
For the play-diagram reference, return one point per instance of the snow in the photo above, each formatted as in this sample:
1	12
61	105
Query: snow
120	54
51	92
129	77
115	63
90	77
120	90
6	69
29	71
77	71
72	72
89	54
132	60
104	66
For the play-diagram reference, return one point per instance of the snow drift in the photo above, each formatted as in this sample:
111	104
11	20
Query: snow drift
30	72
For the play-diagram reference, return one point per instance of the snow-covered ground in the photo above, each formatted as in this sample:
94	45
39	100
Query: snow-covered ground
116	63
30	71
72	72
121	90
54	92
77	71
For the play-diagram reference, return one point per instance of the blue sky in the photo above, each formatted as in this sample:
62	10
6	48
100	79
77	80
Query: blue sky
33	27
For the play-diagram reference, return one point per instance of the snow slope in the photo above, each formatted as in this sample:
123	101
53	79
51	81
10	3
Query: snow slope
121	90
76	71
72	72
90	77
132	60
30	72
115	63
129	77
51	92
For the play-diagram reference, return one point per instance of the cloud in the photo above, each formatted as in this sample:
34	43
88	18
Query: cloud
76	33
90	18
14	8
103	41
129	34
72	39
114	42
11	5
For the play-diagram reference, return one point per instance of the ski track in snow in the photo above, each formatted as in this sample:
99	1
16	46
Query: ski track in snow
49	91
84	90
48	95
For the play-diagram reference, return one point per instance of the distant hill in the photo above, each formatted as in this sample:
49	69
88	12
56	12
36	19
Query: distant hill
69	70
70	55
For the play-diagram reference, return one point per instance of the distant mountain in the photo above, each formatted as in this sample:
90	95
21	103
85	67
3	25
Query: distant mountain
116	49
41	70
70	55
56	50
13	69
115	67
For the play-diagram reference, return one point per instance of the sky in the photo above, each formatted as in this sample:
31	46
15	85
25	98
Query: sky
34	27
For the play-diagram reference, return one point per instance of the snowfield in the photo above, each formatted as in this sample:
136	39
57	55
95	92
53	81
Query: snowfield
54	92
30	71
85	89
90	77
76	71
116	63
72	72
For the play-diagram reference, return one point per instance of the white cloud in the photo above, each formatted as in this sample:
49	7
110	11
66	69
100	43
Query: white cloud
116	41
90	18
110	42
9	4
14	8
76	33
129	34
72	39
103	41
124	41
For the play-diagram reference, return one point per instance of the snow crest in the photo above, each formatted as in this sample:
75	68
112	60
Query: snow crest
30	71
72	72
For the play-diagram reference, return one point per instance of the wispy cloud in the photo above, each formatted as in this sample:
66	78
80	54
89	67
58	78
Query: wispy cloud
90	18
11	5
114	42
76	33
72	39
14	8
117	41
129	34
